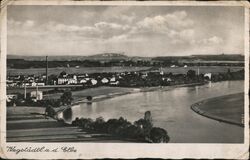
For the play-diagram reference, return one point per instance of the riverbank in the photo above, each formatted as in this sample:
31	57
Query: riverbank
228	109
104	93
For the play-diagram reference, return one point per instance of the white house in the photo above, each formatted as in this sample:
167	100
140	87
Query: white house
62	80
112	79
83	81
10	97
37	95
40	83
72	81
114	83
104	80
67	79
209	75
172	66
93	81
144	75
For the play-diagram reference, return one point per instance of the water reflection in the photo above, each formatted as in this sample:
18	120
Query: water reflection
197	90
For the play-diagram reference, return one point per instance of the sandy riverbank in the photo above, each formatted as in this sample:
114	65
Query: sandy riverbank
228	108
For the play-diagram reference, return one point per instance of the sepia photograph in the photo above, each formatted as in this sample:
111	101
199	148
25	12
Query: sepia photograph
134	74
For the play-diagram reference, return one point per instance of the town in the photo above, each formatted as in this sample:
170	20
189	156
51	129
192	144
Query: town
145	78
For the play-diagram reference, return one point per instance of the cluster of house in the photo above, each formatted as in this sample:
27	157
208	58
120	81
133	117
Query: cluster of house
70	79
63	79
21	80
85	79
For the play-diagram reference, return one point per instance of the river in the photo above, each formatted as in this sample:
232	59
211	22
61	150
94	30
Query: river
170	110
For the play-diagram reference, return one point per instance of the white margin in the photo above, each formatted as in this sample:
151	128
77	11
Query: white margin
124	150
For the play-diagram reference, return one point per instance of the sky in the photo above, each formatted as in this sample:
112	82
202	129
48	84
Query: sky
133	30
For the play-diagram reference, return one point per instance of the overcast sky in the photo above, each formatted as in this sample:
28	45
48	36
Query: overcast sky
140	31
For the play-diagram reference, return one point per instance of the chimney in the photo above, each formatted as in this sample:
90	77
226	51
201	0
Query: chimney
46	82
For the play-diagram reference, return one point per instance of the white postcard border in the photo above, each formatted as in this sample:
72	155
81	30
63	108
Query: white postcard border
124	150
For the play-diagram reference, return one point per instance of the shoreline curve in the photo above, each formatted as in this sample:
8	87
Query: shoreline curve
196	109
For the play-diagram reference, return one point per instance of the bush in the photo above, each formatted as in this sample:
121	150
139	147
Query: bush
86	123
66	98
114	124
49	111
99	124
141	130
134	132
158	135
89	98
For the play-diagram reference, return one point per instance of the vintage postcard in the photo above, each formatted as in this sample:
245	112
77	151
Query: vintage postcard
124	79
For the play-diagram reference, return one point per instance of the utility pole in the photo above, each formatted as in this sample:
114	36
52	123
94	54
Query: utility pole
24	90
46	82
36	92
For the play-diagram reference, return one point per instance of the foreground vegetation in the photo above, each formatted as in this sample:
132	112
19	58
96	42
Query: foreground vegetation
141	130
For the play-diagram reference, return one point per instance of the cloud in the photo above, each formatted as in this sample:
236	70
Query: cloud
22	28
165	23
133	31
176	26
214	40
127	18
24	24
119	13
115	26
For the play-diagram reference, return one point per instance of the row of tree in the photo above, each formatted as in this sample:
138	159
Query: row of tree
141	130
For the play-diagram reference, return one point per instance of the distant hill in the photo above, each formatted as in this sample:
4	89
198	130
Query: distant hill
218	57
108	56
104	57
122	56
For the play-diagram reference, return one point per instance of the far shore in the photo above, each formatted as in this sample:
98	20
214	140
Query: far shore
227	109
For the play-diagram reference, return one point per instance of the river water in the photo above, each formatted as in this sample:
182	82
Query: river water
170	110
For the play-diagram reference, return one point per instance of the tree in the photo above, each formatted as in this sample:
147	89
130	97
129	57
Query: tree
52	78
191	74
66	98
146	124
62	73
159	135
49	111
89	98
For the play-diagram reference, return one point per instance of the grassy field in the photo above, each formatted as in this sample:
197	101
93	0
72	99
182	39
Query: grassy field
202	69
229	108
94	92
28	124
81	70
72	70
